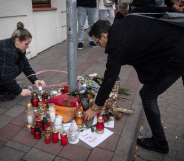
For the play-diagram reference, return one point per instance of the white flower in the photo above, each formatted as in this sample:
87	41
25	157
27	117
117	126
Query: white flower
84	85
95	74
83	91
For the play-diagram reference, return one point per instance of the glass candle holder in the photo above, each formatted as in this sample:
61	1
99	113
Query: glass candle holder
100	125
66	88
39	122
42	114
73	133
55	137
64	138
48	119
47	138
79	119
35	99
29	117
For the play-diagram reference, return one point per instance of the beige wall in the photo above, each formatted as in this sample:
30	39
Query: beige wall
47	27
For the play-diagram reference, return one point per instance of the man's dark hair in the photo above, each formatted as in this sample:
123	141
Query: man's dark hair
99	27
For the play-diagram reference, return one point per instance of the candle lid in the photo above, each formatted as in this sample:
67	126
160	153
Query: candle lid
55	130
29	106
79	113
59	86
51	88
34	96
38	119
100	119
40	104
42	109
35	109
47	135
33	125
37	128
65	85
44	121
47	129
63	133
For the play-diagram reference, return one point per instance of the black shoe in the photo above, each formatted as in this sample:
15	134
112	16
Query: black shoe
93	45
153	145
80	45
6	97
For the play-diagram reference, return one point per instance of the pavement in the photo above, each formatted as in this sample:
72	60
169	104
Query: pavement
17	143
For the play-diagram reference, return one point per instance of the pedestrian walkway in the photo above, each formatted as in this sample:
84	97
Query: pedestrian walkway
17	143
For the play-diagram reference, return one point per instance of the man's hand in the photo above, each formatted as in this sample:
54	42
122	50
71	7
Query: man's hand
90	113
25	92
41	82
180	10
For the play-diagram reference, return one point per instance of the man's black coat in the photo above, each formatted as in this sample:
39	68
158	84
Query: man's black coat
146	44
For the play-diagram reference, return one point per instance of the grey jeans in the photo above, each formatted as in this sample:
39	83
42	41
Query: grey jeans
84	12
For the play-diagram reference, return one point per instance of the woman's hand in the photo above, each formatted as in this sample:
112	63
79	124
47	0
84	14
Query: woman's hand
180	10
41	82
90	113
25	92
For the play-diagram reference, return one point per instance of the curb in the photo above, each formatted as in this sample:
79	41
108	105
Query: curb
128	139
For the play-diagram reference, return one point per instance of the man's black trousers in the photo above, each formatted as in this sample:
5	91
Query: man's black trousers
150	92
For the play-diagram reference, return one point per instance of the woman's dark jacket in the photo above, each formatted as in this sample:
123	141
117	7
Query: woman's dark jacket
146	44
9	57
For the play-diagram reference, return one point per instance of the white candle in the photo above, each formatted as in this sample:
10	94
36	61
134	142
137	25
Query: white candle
30	119
52	116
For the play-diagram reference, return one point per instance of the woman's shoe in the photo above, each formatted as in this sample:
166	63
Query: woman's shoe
5	96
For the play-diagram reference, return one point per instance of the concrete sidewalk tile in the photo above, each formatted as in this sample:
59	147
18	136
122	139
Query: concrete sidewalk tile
15	111
2	143
24	101
118	127
83	144
110	143
10	104
124	117
60	159
8	154
2	110
100	154
25	137
8	132
53	148
17	146
19	121
180	155
38	155
74	152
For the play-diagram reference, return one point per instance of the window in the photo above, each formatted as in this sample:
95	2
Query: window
41	3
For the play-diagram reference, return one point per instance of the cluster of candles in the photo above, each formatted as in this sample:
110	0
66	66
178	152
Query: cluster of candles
43	116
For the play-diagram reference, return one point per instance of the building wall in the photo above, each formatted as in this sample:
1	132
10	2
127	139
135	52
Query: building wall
47	27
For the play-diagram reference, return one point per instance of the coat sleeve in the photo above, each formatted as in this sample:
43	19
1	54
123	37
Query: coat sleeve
113	68
28	71
8	75
168	3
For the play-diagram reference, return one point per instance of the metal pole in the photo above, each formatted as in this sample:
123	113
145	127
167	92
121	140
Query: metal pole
71	44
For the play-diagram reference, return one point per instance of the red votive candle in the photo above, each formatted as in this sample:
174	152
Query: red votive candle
44	124
48	119
39	122
55	137
32	128
66	88
37	132
47	130
63	138
47	138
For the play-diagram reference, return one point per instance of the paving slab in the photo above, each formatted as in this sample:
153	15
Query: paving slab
2	110
25	137
60	159
17	146
19	120
2	143
9	104
4	120
7	132
53	148
100	154
8	154
38	155
15	111
78	153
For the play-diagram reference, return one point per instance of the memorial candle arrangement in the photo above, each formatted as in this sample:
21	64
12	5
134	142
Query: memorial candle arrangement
100	125
35	99
29	117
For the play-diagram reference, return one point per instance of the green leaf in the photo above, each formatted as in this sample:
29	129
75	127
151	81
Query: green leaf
92	129
86	125
81	130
